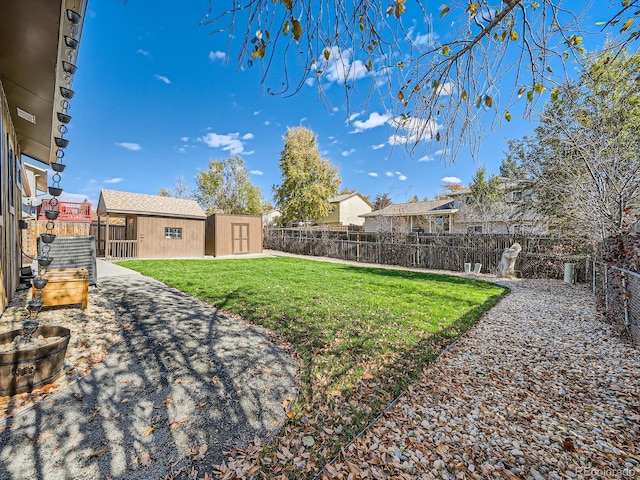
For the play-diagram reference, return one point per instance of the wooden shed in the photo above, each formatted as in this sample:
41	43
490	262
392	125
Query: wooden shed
154	226
233	234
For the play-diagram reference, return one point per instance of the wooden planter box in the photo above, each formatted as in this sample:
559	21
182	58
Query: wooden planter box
66	287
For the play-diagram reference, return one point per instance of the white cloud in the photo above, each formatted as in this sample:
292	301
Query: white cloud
425	40
352	117
143	52
73	197
373	174
398	173
346	153
134	147
114	180
451	180
374	120
247	136
230	143
340	67
182	150
184	139
257	112
446	88
426	158
310	82
334	109
162	78
267	123
256	172
389	174
402	178
442	151
415	130
379	146
217	55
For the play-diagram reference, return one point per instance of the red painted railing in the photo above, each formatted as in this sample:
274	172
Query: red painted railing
69	211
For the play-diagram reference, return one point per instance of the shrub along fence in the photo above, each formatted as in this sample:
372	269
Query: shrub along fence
617	294
541	257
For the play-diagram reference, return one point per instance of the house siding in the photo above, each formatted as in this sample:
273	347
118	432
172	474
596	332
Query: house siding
350	210
10	207
347	211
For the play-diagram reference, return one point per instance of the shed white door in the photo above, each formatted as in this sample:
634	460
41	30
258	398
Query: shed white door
240	232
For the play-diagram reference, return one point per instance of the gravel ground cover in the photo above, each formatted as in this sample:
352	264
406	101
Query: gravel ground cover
540	388
182	384
94	332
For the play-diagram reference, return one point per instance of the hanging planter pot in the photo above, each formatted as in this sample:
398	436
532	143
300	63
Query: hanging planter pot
51	214
35	305
64	118
61	142
39	282
44	261
47	237
55	191
68	94
69	67
58	167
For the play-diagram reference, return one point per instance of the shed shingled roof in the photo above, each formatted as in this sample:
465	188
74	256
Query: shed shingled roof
113	202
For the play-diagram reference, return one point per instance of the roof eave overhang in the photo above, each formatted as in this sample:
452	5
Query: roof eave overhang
33	47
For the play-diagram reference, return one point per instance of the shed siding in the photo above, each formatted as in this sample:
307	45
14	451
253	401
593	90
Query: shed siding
233	234
153	244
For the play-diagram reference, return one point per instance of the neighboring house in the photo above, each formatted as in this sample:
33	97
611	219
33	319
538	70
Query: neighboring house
270	219
424	217
347	210
34	186
510	215
155	226
32	52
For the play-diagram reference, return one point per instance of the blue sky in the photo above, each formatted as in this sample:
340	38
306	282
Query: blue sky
157	98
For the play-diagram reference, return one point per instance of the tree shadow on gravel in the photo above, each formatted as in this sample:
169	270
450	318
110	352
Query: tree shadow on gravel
186	384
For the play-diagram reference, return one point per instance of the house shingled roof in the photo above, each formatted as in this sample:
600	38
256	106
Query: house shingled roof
413	209
114	202
342	198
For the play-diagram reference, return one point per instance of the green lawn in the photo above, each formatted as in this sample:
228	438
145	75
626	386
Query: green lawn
362	333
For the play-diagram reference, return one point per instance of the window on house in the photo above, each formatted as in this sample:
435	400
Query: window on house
474	229
171	232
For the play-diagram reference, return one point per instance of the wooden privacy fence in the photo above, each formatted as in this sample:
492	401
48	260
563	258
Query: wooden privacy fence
541	257
116	232
62	229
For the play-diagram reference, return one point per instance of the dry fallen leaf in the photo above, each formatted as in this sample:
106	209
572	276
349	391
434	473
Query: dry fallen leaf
145	459
179	423
99	452
147	432
44	436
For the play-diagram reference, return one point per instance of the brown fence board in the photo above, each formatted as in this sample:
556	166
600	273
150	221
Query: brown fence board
541	257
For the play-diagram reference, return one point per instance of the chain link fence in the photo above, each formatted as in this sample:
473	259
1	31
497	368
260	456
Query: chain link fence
617	293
